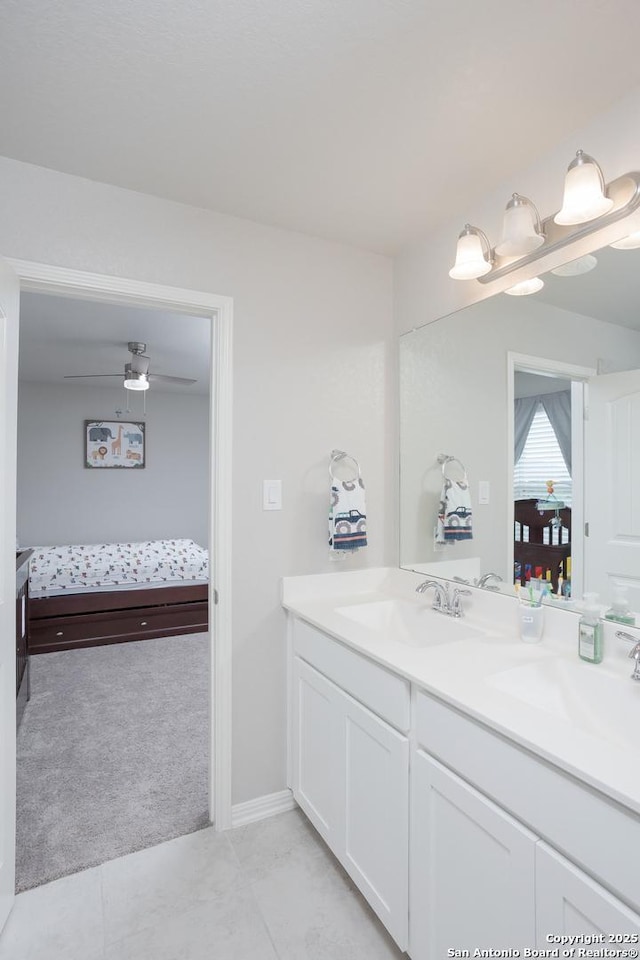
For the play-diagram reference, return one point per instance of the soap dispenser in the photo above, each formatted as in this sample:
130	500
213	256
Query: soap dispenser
590	630
619	609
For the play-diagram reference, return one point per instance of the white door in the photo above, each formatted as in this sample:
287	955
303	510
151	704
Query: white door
376	837
471	874
9	314
569	902
318	751
612	492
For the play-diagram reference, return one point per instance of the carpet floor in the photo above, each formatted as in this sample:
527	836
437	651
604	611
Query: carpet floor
112	754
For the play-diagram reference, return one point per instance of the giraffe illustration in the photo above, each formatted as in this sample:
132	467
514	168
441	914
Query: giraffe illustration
116	445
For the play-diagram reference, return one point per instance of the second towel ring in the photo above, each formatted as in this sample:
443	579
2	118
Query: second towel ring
336	457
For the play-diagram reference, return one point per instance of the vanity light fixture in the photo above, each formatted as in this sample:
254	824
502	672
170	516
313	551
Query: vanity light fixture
525	287
590	205
632	242
521	228
584	192
575	267
473	254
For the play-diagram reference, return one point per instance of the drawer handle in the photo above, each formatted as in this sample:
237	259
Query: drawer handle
60	633
143	623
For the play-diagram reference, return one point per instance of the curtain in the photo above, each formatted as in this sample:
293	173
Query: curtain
557	407
525	408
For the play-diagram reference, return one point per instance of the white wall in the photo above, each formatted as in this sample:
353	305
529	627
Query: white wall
314	362
61	501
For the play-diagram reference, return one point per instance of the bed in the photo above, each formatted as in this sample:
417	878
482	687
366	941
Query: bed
84	595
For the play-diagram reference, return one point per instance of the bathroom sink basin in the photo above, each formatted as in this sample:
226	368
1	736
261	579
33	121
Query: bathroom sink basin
585	695
409	622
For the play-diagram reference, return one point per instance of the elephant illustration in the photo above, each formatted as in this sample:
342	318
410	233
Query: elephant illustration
100	433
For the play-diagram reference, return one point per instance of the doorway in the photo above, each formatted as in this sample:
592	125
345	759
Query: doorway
40	278
540	386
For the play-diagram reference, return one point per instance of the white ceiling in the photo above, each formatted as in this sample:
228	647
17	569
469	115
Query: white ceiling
60	336
355	120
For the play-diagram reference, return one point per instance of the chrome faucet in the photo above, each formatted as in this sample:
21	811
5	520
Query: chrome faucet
443	601
441	594
483	581
634	654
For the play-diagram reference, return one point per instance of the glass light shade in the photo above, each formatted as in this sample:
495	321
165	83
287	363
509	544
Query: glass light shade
520	234
584	197
526	287
135	381
471	259
575	267
632	242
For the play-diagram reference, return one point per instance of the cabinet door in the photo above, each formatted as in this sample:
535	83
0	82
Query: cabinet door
471	868
318	750
570	902
376	833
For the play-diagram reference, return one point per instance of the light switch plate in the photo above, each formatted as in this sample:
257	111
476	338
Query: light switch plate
483	491
272	494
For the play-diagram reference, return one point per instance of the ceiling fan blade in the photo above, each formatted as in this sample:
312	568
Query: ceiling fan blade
165	379
139	363
87	376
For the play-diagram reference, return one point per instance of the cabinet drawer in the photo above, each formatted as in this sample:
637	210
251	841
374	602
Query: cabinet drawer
383	692
65	633
553	804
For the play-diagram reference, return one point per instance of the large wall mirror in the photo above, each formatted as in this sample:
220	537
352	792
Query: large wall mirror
537	400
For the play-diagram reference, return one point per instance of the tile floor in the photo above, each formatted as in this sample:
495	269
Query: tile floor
267	891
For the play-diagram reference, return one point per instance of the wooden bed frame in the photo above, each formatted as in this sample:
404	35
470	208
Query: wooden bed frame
93	619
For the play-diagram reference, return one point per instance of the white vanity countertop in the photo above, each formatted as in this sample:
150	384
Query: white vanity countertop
582	717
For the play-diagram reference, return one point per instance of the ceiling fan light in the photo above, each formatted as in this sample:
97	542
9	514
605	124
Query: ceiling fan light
632	242
584	197
521	228
526	287
134	380
473	255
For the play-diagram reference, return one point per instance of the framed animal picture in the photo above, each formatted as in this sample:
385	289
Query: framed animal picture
114	443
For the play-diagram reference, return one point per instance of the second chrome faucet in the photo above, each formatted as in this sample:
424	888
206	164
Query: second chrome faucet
445	601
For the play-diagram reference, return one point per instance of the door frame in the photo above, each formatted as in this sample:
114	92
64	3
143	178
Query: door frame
578	376
60	281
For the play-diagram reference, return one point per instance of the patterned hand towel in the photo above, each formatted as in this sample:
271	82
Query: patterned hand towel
454	512
347	515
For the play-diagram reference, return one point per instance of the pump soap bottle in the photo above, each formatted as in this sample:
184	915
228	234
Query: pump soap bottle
590	631
619	609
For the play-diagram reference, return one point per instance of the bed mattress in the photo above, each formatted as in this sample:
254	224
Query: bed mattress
80	568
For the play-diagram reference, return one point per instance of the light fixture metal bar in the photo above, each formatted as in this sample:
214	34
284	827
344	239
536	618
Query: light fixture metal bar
625	193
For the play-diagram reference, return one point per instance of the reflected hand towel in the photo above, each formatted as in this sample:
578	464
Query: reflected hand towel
454	512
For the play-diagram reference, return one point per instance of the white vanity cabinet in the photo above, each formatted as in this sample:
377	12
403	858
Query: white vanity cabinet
457	837
481	876
350	766
472	868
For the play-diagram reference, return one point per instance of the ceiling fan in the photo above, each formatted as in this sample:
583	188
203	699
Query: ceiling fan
136	373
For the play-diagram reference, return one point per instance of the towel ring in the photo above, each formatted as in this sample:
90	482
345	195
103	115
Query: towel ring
336	457
445	459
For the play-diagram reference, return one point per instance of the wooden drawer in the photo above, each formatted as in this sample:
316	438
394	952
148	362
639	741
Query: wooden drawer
118	626
385	693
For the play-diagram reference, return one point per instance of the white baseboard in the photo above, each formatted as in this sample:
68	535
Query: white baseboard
262	807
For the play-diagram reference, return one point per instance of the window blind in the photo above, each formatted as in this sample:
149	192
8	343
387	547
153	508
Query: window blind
541	460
